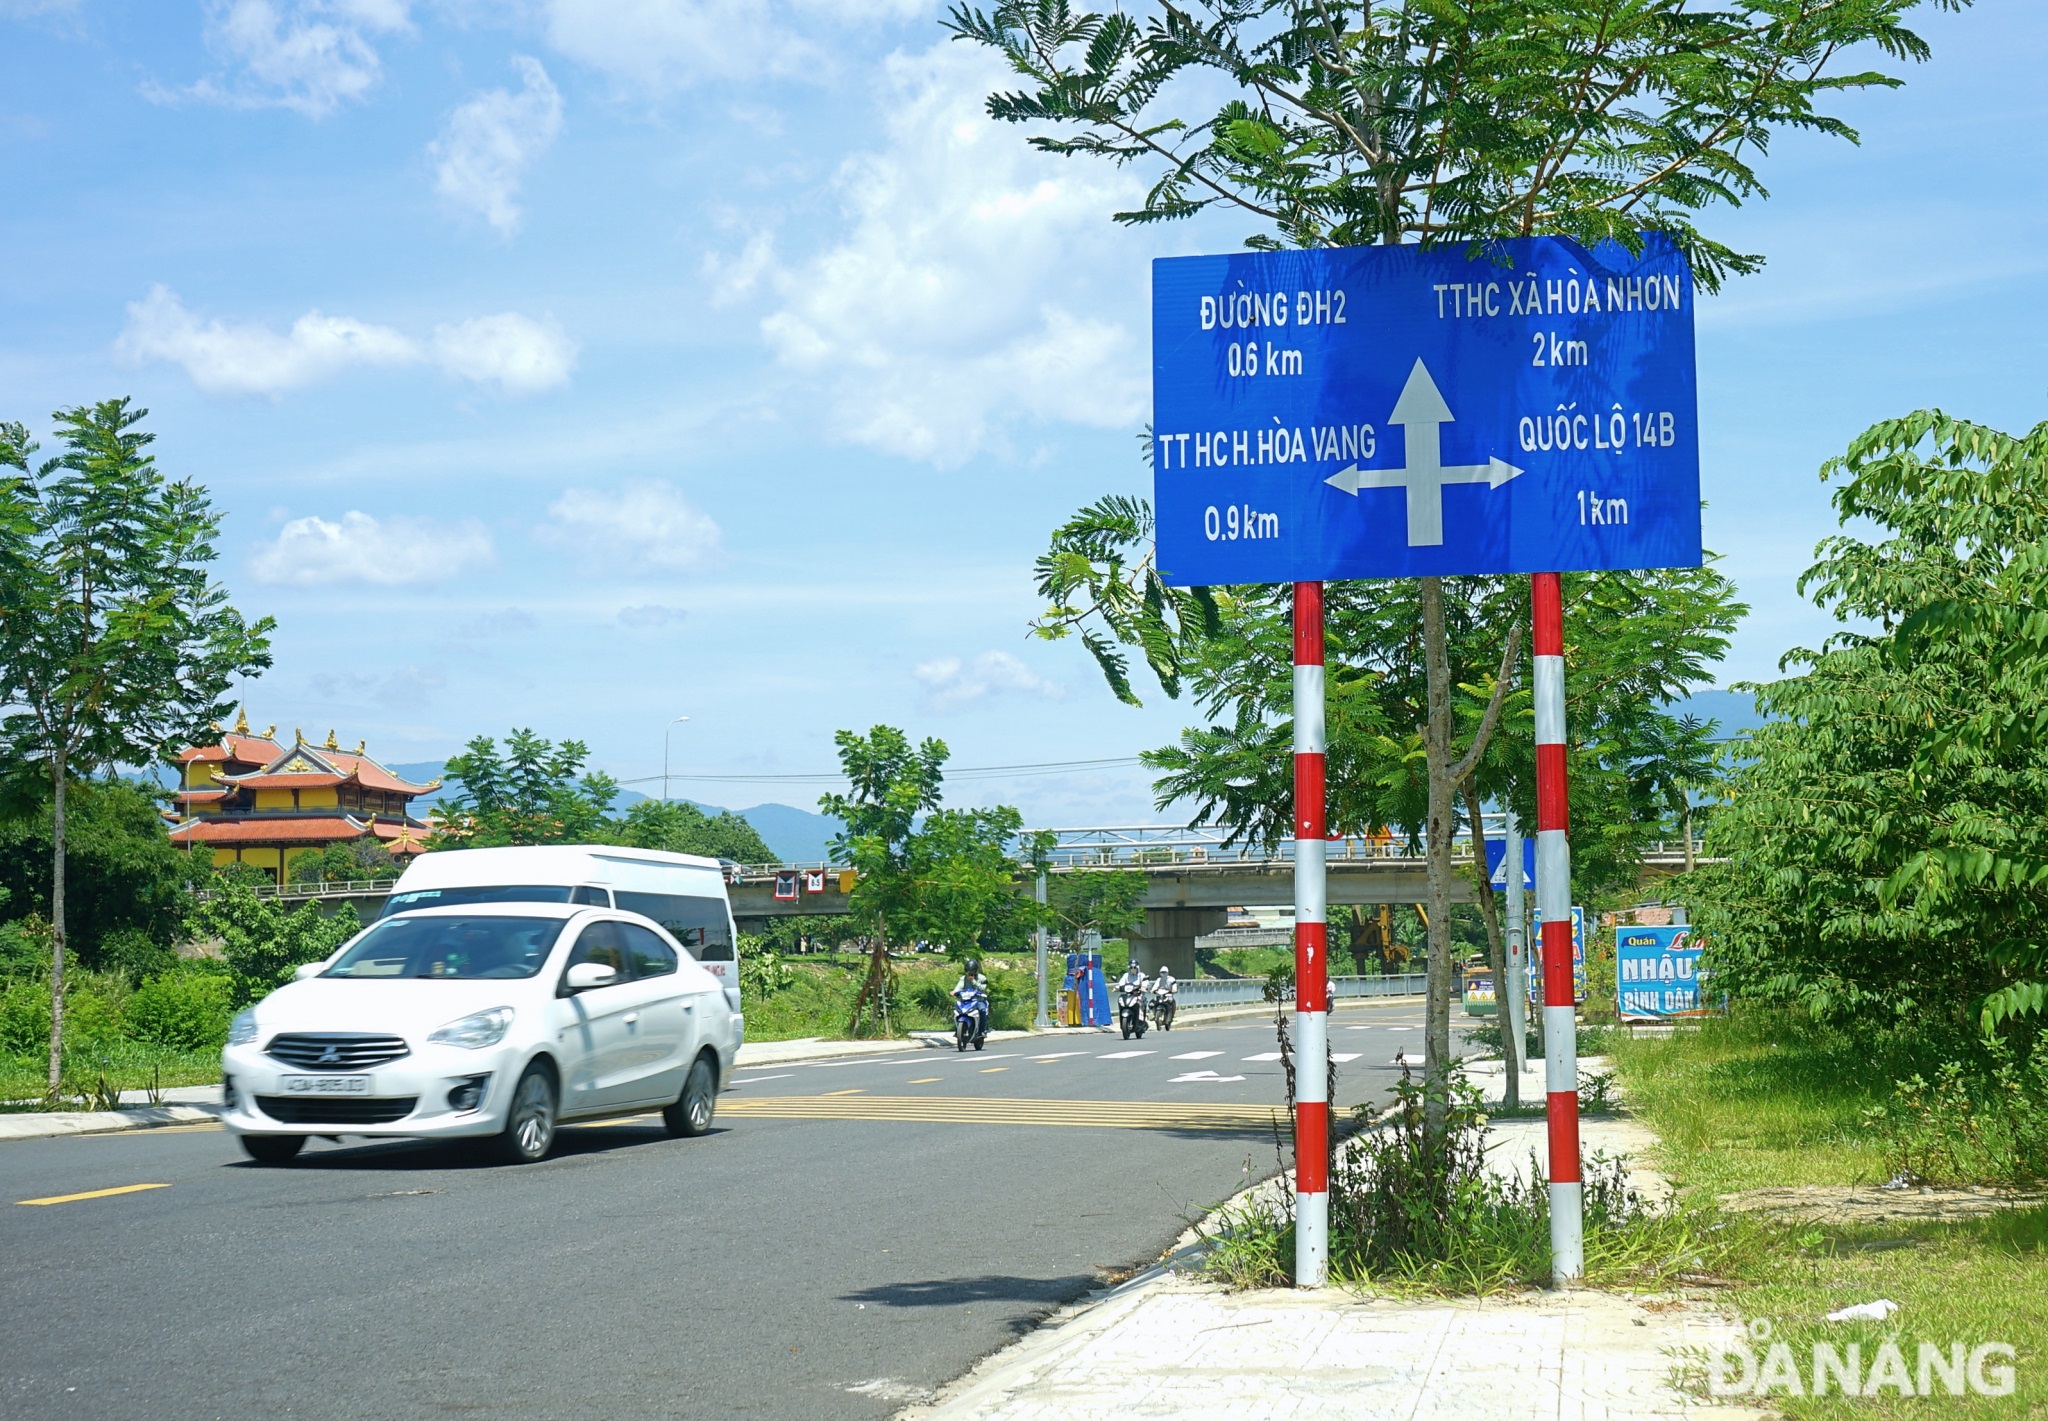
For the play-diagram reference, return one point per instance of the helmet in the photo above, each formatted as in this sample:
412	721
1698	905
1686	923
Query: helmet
972	967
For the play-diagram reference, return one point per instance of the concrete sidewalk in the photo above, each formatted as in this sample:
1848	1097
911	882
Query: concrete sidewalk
1169	1346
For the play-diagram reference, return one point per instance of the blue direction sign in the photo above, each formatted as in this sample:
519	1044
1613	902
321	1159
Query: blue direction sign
1361	412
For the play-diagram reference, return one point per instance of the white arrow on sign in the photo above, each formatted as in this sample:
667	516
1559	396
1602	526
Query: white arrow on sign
1421	411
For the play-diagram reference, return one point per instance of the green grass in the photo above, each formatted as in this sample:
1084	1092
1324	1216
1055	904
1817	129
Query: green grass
819	999
129	1065
1765	1101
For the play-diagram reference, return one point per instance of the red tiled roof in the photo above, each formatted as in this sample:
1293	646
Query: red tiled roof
249	749
372	775
268	829
196	796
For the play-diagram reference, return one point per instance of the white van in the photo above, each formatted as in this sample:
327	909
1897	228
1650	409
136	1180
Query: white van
683	892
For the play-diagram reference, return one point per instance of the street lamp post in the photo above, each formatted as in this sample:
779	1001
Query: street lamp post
665	734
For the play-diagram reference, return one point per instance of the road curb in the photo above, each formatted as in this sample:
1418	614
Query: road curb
43	1125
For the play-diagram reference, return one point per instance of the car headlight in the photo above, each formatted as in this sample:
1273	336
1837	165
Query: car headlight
476	1031
242	1030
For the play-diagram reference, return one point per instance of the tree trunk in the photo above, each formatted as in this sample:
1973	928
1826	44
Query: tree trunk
1438	829
1496	954
1685	827
57	768
872	1000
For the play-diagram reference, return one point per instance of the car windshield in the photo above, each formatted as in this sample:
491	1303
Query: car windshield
462	897
450	947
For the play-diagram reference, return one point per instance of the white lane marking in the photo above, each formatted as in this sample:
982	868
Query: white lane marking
1205	1077
1265	1056
1123	1055
1345	1055
1198	1055
1056	1055
756	1080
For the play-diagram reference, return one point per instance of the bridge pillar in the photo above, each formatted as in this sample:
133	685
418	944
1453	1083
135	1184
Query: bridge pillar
1168	938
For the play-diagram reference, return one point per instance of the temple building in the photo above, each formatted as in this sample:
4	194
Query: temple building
252	800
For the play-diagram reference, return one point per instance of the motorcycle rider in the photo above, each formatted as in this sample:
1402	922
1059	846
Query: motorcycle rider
971	980
1163	988
1134	979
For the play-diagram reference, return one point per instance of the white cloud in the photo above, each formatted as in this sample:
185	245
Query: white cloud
670	44
650	616
515	353
308	55
383	552
981	281
252	359
952	684
642	526
519	355
487	143
407	688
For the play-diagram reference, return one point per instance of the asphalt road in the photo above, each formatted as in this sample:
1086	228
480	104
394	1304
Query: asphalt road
851	1234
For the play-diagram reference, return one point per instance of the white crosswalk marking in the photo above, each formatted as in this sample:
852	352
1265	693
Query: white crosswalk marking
1197	1055
1345	1055
1123	1055
1058	1055
1205	1078
1265	1056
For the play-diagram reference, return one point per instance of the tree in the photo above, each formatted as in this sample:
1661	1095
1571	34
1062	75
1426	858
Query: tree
1885	832
533	793
965	881
1349	122
261	940
115	643
680	827
1110	901
122	873
891	783
351	861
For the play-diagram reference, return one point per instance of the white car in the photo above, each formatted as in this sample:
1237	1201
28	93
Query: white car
495	1020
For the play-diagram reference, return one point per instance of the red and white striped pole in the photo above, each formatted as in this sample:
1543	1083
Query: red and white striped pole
1554	926
1311	945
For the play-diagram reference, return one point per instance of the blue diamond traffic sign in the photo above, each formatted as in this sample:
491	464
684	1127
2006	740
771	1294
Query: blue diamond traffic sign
1365	412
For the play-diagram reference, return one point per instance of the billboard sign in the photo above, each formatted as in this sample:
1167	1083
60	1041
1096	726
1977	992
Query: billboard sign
1656	973
1395	411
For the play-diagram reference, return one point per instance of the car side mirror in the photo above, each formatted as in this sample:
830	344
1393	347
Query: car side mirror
308	969
585	975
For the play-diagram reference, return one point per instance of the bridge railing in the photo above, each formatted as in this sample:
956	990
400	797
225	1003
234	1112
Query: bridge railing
1214	992
353	888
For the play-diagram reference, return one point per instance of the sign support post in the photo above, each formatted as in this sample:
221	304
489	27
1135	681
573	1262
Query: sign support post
1311	944
1554	925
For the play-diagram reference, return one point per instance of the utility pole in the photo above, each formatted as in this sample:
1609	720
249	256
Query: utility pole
1311	950
665	734
1554	924
1514	1018
1042	1021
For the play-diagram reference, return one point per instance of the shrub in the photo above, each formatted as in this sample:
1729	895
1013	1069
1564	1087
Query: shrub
133	954
1985	1126
183	1011
25	947
763	973
24	1016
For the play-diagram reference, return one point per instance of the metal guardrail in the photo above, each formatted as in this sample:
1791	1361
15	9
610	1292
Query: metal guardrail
354	888
1217	992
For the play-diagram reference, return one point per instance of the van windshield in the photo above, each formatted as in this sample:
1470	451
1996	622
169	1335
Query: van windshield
450	947
462	897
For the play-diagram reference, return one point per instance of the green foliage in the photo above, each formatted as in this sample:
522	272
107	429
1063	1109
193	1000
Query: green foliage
680	827
261	940
1362	121
1886	833
1410	1213
964	882
1108	901
25	948
763	973
351	861
122	872
1969	1125
133	954
534	792
183	1011
806	933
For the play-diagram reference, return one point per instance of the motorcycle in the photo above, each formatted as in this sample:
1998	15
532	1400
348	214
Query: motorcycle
1163	1005
1130	1009
970	1018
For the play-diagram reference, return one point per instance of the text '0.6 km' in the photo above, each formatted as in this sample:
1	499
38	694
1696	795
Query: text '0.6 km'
1392	411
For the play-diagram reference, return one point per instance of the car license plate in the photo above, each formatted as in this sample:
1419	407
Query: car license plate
326	1085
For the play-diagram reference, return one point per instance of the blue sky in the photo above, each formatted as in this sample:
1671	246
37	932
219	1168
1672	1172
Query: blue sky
578	364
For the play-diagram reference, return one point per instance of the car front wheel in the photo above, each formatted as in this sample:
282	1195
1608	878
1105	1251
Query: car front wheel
529	1131
272	1149
691	1114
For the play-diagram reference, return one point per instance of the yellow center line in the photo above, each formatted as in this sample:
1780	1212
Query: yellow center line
926	1080
93	1194
855	1091
991	1070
